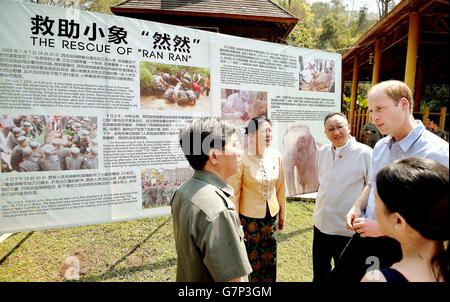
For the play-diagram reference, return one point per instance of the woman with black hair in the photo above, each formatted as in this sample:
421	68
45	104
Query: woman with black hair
260	199
411	206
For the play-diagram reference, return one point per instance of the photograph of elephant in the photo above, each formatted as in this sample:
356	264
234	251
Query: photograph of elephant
299	157
243	105
316	75
172	87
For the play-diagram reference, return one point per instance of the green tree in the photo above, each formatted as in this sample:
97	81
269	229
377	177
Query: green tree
435	96
384	6
362	22
104	6
81	4
334	35
304	33
326	25
100	6
320	11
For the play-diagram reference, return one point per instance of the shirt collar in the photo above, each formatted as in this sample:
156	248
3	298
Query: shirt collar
409	140
213	179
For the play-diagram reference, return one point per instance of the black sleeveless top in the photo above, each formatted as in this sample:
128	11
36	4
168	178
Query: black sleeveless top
393	276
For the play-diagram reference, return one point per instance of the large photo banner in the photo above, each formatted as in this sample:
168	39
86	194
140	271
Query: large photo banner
91	105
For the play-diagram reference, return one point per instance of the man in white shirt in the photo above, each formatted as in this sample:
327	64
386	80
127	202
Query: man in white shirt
343	168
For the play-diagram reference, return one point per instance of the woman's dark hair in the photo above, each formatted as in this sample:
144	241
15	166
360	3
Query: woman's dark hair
417	189
255	122
202	135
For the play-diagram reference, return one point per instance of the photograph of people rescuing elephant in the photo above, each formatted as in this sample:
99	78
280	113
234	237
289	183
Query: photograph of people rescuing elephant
158	185
243	105
30	143
299	157
172	87
316	74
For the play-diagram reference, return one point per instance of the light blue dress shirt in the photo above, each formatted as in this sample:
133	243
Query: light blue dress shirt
418	143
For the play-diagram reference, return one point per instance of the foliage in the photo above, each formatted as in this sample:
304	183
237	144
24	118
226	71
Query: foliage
104	6
99	6
326	25
331	37
384	6
304	33
361	22
81	4
346	103
320	11
361	100
435	96
147	81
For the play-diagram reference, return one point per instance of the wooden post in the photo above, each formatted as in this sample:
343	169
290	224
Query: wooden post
376	63
354	89
442	116
375	72
368	116
411	55
426	113
419	86
365	120
360	122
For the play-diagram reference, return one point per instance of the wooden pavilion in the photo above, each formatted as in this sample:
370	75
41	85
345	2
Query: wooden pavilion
409	44
255	19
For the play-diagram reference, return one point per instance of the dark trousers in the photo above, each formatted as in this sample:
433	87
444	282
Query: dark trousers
363	254
325	248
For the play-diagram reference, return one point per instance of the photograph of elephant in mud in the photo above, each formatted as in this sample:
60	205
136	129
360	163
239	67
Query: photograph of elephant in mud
300	153
172	87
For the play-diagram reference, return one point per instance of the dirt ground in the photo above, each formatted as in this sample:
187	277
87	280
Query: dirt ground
203	104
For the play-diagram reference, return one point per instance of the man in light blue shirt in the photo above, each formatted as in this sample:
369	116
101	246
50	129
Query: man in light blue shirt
391	105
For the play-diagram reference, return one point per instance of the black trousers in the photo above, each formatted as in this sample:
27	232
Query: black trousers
325	248
363	254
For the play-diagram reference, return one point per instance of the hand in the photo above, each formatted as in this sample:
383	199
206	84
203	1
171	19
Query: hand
281	219
352	214
280	223
366	227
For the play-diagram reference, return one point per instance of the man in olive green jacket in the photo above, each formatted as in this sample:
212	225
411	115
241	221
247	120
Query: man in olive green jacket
208	234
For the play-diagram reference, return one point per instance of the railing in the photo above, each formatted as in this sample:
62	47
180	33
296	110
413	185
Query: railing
426	116
361	117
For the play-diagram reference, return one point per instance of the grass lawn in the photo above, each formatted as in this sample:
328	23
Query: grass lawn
138	250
